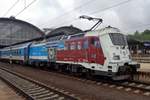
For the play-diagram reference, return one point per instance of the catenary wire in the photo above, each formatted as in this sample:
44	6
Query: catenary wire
25	8
68	12
11	7
101	10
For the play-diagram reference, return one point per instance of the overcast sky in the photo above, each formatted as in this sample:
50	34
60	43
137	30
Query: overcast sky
130	16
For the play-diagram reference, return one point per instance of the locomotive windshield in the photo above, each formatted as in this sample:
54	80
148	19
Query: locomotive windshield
118	39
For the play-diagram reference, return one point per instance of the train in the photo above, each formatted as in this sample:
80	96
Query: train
102	52
94	52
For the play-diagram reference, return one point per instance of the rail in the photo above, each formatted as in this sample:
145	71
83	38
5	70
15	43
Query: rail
31	89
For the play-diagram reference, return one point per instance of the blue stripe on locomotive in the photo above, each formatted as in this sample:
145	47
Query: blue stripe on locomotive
55	44
38	53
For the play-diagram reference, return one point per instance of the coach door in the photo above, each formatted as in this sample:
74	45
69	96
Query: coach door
52	54
26	53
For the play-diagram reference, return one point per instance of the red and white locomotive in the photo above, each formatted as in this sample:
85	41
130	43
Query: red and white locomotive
99	52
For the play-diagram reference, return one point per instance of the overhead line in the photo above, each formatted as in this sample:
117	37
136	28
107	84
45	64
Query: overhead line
104	9
25	8
78	7
66	22
113	6
11	8
74	9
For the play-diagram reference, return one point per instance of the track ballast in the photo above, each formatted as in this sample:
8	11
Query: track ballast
32	89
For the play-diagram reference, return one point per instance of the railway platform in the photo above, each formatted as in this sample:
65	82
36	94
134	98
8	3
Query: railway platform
6	93
145	67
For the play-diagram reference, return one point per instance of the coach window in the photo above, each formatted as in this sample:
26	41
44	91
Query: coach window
15	52
20	52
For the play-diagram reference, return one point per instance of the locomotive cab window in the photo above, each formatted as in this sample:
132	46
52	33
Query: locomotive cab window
118	39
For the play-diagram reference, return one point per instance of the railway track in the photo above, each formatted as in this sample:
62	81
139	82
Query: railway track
135	86
132	86
31	89
128	86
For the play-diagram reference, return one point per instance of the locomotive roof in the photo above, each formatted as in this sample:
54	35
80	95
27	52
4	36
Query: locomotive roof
66	30
103	31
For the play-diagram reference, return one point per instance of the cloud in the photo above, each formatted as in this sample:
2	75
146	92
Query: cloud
55	13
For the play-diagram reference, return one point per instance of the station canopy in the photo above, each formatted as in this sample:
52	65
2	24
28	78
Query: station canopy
13	31
65	30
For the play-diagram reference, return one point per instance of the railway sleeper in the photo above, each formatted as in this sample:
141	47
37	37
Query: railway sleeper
35	90
44	95
40	93
29	86
52	97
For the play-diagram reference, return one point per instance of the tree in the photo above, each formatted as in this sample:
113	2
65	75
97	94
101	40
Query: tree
146	32
143	36
136	33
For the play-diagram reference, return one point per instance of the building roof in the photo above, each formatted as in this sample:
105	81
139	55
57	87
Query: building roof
13	31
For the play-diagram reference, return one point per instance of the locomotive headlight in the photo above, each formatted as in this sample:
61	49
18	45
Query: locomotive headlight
116	57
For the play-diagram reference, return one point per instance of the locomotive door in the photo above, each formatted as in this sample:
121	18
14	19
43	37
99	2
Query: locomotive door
52	54
96	53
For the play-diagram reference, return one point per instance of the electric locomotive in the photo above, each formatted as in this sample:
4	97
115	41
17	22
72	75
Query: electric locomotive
100	52
95	52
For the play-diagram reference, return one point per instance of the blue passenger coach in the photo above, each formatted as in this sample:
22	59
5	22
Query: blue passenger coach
5	53
17	53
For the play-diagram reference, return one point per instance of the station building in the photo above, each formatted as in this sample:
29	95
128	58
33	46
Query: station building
139	48
14	31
